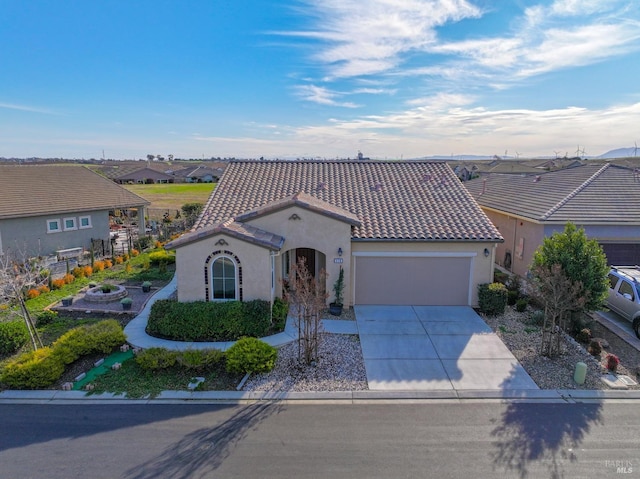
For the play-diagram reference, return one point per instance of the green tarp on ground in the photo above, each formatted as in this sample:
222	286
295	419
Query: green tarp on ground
118	357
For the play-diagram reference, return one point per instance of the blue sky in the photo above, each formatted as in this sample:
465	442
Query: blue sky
320	78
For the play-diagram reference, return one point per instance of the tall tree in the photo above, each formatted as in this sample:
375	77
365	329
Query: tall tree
582	261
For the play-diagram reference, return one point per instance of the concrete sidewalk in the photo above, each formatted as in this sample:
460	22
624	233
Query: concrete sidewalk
138	337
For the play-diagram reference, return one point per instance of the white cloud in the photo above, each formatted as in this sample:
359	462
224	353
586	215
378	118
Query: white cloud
322	96
32	109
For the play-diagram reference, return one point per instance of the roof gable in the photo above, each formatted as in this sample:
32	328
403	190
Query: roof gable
304	201
411	200
241	231
36	190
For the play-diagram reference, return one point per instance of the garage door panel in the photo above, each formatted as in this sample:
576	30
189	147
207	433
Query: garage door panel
412	280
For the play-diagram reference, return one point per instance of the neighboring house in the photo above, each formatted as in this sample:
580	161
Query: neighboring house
199	174
45	209
144	176
602	199
404	233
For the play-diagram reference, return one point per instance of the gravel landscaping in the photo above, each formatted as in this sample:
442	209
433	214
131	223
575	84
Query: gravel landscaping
341	367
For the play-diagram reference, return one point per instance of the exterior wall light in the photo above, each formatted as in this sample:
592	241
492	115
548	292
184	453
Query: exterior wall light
339	251
486	252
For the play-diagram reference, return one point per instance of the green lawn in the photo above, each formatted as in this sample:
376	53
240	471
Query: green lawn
172	196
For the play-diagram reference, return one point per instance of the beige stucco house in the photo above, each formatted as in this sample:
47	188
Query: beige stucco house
403	232
604	199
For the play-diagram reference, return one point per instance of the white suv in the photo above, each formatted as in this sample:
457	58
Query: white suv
624	293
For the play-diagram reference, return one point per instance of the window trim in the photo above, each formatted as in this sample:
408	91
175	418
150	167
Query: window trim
71	228
89	225
54	230
213	279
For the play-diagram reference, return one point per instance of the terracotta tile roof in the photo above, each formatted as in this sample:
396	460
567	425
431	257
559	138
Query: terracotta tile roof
593	193
232	228
56	189
410	200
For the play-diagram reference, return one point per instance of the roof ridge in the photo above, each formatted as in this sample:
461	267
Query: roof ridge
571	195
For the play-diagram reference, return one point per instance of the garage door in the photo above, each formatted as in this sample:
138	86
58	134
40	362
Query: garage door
621	254
413	280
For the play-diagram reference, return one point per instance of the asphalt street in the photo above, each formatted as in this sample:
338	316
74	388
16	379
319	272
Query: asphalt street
269	440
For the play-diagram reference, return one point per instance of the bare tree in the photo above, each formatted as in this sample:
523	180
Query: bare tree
561	296
307	298
18	273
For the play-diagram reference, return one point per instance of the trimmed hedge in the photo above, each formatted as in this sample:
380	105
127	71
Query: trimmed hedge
32	370
13	335
492	298
41	368
209	321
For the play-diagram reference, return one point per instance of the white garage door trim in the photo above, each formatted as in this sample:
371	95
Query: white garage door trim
415	254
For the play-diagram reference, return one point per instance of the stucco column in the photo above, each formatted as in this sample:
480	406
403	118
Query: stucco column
141	221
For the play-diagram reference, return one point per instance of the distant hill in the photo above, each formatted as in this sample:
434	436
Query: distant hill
620	153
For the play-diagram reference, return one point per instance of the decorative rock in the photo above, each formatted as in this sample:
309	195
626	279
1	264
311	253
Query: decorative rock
603	342
89	387
116	366
137	351
67	386
124	348
80	377
99	362
195	382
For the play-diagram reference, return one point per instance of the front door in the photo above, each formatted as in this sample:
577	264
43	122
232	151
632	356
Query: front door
309	256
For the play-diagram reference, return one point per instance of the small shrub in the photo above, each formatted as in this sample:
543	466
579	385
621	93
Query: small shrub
125	257
69	278
78	272
156	358
612	362
13	335
33	293
161	257
46	317
142	243
250	355
146	264
584	335
537	318
521	305
119	260
492	298
595	348
500	277
108	263
43	289
57	283
128	267
279	312
100	337
157	244
134	252
107	288
88	271
512	297
98	266
199	359
32	370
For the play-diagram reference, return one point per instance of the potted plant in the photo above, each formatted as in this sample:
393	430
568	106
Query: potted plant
106	288
146	286
67	301
126	303
335	308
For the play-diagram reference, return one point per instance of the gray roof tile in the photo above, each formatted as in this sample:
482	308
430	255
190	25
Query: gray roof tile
36	190
593	193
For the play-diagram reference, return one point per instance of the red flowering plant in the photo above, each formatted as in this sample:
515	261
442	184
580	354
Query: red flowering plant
612	362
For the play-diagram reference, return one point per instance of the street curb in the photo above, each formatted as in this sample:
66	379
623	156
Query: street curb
327	397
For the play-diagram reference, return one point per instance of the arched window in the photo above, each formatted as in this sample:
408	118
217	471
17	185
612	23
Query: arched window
224	279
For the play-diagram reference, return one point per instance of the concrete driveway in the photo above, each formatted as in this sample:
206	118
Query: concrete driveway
421	348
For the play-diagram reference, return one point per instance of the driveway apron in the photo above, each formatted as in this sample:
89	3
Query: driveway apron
423	348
